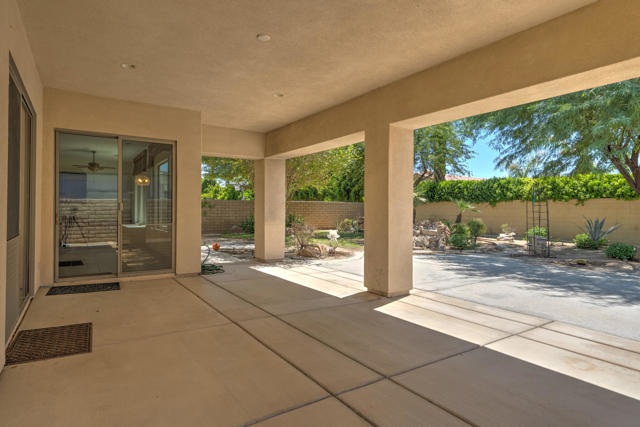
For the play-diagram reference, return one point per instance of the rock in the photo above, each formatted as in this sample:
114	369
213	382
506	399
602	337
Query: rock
430	235
314	251
506	236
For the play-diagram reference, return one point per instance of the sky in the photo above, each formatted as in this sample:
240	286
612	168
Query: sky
482	163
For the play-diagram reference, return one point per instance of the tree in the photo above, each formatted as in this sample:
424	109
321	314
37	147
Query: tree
463	206
592	131
314	170
237	173
441	149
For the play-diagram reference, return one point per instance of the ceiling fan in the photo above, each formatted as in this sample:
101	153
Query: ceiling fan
93	166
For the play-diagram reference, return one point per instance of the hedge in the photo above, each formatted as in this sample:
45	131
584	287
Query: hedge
558	188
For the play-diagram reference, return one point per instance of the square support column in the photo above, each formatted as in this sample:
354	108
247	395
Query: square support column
388	210
269	209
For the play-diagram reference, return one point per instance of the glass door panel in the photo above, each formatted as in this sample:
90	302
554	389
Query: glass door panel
147	208
87	205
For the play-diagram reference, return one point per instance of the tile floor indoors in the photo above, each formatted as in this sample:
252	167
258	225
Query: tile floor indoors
302	346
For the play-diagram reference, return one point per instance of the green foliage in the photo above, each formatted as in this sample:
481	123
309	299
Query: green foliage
595	130
595	229
441	149
463	206
621	251
476	228
248	225
583	241
460	237
536	231
222	176
559	188
293	219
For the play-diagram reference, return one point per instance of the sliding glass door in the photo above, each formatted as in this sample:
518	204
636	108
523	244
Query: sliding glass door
114	205
147	214
87	205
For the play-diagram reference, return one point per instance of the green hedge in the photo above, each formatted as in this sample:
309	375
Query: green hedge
560	188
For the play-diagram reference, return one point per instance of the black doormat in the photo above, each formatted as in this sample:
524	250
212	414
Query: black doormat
83	289
46	343
74	263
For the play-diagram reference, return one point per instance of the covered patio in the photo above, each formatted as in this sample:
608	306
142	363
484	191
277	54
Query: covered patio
108	110
247	347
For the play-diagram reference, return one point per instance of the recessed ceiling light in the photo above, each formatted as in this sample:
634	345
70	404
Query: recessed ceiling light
263	37
128	66
278	95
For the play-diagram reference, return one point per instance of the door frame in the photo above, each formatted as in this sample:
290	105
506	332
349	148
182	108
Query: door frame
119	274
14	75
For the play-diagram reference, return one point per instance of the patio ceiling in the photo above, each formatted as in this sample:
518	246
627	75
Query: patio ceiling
204	56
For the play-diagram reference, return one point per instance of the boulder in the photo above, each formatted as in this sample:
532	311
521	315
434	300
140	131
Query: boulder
431	235
314	251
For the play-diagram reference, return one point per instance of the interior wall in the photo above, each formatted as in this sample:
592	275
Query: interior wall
75	111
13	40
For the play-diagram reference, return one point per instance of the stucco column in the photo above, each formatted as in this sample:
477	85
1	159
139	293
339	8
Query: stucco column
269	209
388	210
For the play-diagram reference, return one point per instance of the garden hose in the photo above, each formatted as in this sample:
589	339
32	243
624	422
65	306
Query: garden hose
210	268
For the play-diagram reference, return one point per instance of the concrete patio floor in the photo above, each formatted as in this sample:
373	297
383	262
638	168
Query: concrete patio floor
305	346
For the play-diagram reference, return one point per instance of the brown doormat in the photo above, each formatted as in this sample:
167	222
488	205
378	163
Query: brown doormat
46	343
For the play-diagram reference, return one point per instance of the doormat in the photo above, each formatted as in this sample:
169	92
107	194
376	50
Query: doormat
73	263
46	343
83	289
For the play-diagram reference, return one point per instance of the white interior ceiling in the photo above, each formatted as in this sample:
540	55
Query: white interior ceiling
203	55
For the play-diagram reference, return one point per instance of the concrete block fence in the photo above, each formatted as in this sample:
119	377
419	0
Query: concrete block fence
218	216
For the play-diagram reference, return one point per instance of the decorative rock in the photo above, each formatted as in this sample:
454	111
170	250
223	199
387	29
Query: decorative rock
506	236
314	251
431	235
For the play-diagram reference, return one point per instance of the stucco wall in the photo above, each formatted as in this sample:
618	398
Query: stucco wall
218	216
565	218
75	111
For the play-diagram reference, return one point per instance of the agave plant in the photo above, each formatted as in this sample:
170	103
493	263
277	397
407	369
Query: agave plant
595	229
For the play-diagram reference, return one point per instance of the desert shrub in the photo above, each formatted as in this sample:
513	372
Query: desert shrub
476	228
621	251
248	225
460	236
347	225
302	233
536	231
293	218
595	229
583	241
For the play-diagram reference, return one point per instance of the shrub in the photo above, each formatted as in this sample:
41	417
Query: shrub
476	228
347	225
302	233
248	225
460	236
558	188
293	218
583	241
536	231
621	251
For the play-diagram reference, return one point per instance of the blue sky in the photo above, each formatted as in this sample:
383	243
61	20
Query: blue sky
482	163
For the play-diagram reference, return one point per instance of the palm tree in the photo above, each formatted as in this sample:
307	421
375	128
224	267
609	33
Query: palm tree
463	206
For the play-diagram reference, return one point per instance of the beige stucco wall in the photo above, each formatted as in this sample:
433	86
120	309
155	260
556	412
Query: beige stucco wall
235	143
69	110
565	218
13	39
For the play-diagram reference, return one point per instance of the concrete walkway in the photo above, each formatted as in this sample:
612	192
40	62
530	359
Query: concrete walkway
249	347
594	299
